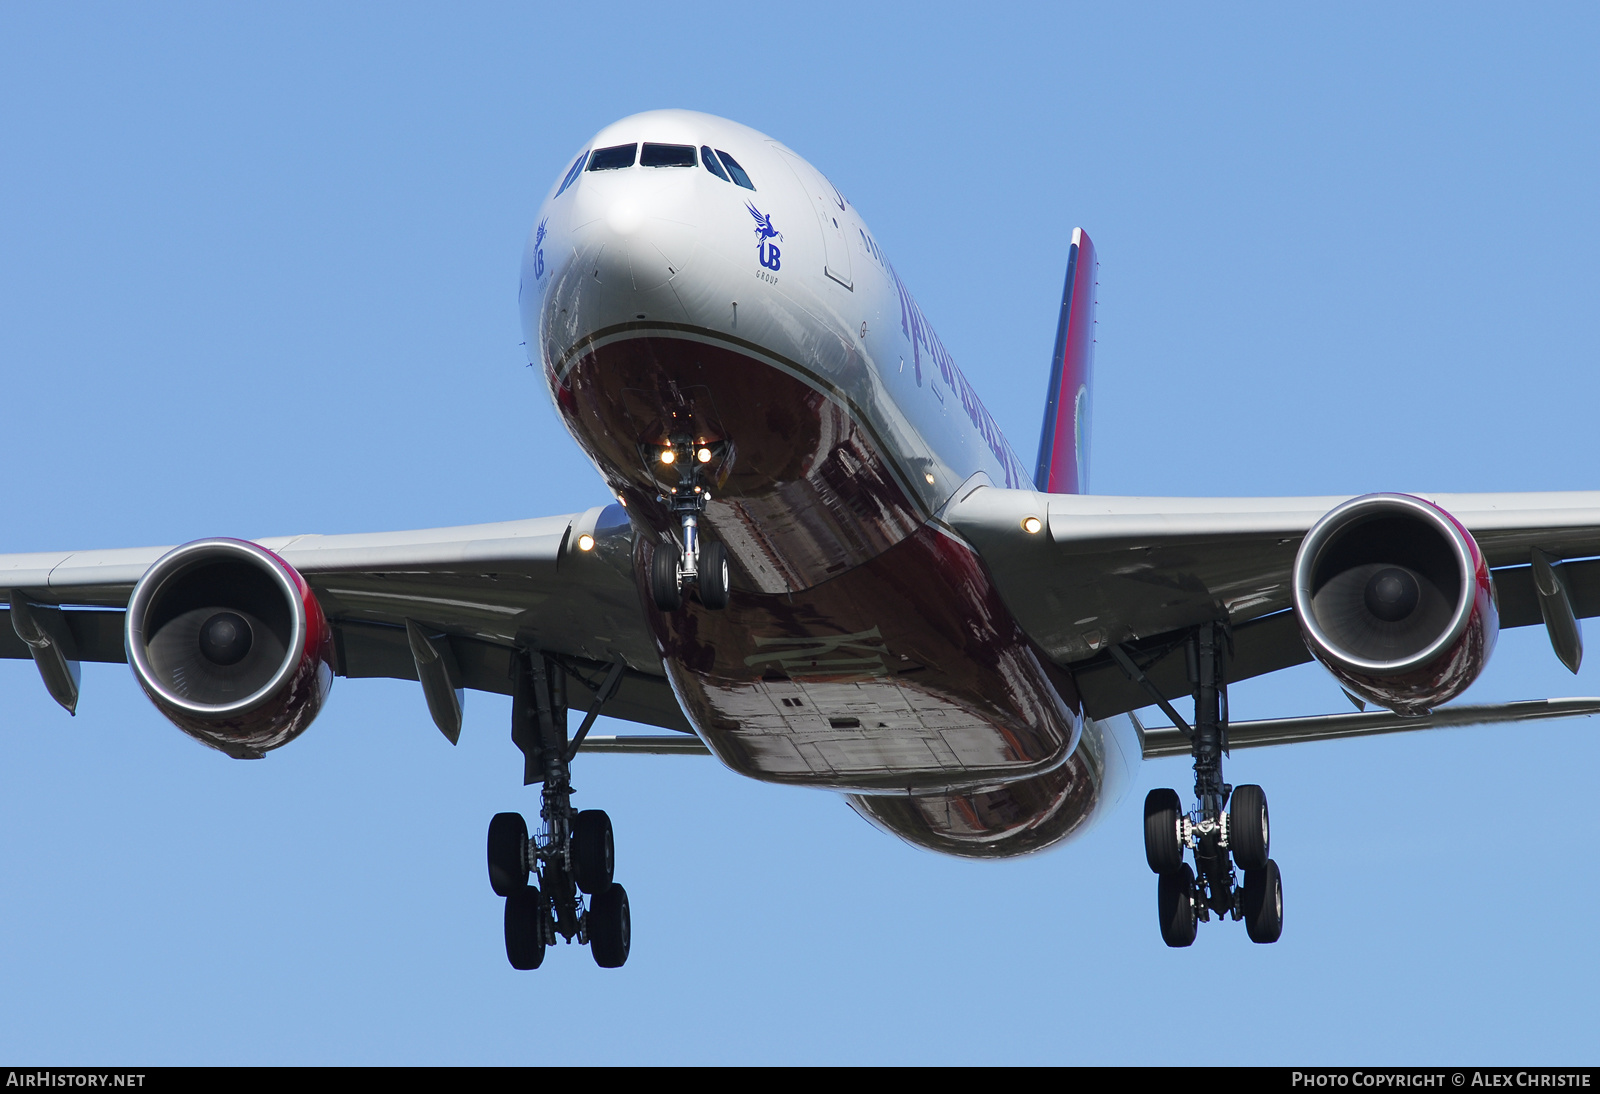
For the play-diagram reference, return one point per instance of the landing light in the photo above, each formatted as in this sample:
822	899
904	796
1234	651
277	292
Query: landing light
704	455
1031	525
929	477
667	455
586	542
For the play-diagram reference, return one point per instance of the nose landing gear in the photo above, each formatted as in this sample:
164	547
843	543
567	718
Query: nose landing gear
545	878
689	561
1227	828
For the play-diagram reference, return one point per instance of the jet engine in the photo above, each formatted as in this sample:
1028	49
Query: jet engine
1395	598
231	645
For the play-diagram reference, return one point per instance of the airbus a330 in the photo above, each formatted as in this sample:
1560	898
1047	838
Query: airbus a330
822	563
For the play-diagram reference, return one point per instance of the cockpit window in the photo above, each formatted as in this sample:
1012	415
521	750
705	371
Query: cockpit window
613	158
709	158
667	155
572	175
733	169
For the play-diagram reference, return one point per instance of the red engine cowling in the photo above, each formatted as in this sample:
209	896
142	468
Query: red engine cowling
1395	598
231	645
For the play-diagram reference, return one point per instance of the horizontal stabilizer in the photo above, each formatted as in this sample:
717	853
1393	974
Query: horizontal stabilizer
679	744
1168	741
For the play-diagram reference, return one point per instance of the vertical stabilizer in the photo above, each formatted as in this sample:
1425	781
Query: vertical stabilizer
1063	466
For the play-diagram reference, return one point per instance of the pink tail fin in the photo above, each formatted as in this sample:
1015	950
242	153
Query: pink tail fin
1064	442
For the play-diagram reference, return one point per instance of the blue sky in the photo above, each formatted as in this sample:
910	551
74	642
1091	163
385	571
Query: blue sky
257	275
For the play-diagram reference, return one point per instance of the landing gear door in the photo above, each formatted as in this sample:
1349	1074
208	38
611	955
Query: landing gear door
830	207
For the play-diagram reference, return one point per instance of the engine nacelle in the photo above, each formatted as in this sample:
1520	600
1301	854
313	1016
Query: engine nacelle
1395	598
231	645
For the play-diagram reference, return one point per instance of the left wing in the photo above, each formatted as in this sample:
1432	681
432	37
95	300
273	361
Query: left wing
1106	571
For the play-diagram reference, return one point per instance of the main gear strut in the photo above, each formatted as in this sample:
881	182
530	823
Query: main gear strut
1226	828
546	877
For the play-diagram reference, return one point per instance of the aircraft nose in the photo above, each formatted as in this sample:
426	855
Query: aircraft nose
635	229
627	245
625	216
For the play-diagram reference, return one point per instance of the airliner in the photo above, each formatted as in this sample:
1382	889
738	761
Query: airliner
821	562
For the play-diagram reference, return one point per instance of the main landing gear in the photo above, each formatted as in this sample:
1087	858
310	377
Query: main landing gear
545	878
689	561
1229	823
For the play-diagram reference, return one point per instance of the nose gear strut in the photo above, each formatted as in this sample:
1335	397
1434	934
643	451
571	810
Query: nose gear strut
688	561
1226	828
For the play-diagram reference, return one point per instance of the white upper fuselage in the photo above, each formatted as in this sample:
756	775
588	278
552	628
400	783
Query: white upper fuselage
789	266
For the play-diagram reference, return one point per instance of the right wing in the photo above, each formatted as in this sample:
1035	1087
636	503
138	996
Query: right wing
482	590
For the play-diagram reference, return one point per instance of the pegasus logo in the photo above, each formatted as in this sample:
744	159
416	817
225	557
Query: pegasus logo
764	228
767	252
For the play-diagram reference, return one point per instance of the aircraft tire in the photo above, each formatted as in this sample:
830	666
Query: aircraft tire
593	851
714	576
1263	903
525	913
1162	849
1175	894
664	588
610	928
508	841
1249	836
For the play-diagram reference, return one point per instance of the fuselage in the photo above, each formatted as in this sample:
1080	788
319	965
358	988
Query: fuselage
691	278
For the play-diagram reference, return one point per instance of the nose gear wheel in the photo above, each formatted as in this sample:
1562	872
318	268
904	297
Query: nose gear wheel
665	589
689	561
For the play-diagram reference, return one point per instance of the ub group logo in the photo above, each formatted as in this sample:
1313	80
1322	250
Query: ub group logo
766	251
538	250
